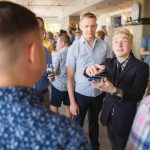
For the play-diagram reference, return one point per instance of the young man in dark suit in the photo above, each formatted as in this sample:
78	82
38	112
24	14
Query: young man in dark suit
125	83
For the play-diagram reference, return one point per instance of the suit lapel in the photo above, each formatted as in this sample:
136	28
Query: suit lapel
114	67
128	66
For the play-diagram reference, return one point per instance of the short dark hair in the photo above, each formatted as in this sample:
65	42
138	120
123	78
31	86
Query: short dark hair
63	32
15	20
88	15
65	39
40	18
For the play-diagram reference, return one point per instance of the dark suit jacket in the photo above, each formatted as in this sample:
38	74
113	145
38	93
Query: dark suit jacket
133	82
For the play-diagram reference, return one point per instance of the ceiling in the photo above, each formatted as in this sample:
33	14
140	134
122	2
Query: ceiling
59	9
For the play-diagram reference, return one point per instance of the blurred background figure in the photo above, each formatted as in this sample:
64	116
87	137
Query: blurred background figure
43	84
62	32
107	38
100	34
59	93
47	41
50	38
145	52
78	34
71	36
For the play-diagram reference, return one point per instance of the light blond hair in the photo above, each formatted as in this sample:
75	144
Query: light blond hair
123	31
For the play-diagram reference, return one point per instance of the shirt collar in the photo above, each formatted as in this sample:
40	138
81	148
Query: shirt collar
20	94
123	64
83	40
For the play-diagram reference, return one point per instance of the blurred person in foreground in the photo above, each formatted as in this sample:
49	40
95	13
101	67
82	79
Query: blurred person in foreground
43	83
125	82
24	124
139	138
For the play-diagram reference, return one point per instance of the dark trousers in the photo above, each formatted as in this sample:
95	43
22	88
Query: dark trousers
118	142
92	105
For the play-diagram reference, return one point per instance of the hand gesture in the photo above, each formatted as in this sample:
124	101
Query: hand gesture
94	69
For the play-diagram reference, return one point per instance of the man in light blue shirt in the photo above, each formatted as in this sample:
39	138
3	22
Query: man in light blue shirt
83	97
145	51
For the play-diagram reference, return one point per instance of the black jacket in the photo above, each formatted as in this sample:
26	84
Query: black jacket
133	82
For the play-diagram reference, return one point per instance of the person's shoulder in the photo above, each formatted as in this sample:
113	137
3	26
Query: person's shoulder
60	123
75	43
111	60
146	102
147	36
145	105
74	47
140	63
63	50
64	130
100	41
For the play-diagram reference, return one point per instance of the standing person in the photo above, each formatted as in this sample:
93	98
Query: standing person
145	51
78	34
24	124
100	34
43	84
125	83
47	41
59	91
83	97
139	138
71	36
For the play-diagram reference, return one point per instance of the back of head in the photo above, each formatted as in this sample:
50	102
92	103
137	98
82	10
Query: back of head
18	29
15	22
63	32
65	39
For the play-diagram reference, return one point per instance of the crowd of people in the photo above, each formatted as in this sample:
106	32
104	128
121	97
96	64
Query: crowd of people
40	72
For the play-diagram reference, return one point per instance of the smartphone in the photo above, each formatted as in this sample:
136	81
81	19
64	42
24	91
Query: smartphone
94	78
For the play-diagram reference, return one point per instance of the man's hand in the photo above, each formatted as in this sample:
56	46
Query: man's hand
74	108
51	77
94	69
104	85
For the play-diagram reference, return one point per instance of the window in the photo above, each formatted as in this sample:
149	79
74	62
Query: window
53	27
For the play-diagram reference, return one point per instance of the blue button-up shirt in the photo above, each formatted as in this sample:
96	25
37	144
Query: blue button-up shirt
25	125
60	81
79	56
146	45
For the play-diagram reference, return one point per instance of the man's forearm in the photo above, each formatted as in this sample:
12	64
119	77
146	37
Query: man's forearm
70	87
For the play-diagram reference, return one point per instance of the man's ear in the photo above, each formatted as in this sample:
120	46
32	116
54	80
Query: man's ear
32	53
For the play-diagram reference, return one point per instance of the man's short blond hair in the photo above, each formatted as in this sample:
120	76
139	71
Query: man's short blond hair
88	15
123	31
